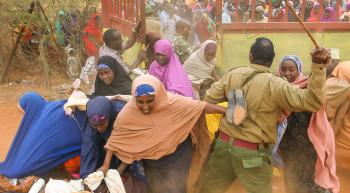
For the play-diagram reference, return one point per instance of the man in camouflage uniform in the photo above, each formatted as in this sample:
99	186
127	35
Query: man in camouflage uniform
182	48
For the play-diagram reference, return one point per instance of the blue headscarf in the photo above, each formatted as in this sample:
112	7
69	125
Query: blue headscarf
92	150
145	90
32	102
45	139
99	109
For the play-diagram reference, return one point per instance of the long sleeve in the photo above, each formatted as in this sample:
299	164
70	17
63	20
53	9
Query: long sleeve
216	94
291	97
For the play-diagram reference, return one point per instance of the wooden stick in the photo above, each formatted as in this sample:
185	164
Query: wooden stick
13	52
301	23
7	65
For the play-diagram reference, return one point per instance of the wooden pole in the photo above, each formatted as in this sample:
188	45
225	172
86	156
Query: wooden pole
301	23
13	52
7	65
43	59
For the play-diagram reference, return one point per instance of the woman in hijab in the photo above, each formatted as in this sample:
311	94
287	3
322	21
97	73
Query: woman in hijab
225	17
329	15
150	40
45	139
314	13
307	146
200	66
101	113
168	69
92	36
160	128
338	103
111	78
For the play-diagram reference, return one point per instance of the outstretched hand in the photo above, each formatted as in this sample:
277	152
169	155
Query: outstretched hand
321	56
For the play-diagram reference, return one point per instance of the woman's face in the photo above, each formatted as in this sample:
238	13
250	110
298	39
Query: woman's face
145	103
162	59
101	127
210	52
98	22
289	70
327	13
106	75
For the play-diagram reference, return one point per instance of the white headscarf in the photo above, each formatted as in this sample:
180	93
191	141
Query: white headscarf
197	67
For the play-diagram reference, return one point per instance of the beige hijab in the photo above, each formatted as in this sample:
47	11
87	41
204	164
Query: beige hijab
138	136
197	67
338	93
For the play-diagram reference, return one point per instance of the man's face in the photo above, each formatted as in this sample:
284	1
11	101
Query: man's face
117	42
185	31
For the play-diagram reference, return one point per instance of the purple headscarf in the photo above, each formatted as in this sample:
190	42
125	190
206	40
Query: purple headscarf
331	17
172	75
348	6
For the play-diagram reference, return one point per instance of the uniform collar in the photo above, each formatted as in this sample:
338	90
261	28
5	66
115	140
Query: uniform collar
260	67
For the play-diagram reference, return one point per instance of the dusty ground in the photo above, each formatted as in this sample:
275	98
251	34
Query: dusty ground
10	118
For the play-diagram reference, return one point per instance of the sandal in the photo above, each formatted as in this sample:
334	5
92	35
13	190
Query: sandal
231	106
240	108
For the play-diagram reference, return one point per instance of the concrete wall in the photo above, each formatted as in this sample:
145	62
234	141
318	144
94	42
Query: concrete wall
234	49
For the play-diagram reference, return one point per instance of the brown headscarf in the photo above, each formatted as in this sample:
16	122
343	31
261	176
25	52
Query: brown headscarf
138	136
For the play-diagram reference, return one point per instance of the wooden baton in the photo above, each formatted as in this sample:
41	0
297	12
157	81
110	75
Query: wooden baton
301	23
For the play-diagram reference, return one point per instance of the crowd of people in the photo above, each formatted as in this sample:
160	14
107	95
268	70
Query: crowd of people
264	11
180	127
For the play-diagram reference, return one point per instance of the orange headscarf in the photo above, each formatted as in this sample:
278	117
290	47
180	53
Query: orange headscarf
338	105
342	70
138	136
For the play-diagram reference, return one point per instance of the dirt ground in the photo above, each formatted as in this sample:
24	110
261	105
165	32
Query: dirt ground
10	119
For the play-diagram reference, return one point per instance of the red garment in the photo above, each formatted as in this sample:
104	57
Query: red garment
94	31
72	166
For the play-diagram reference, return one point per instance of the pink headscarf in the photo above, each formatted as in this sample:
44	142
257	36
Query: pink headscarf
172	75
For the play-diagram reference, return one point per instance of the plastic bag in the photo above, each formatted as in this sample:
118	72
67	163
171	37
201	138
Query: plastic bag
112	179
60	186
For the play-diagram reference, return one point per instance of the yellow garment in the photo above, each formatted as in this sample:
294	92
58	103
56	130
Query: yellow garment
213	121
266	95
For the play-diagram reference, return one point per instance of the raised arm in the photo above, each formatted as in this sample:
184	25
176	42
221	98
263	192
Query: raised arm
132	39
